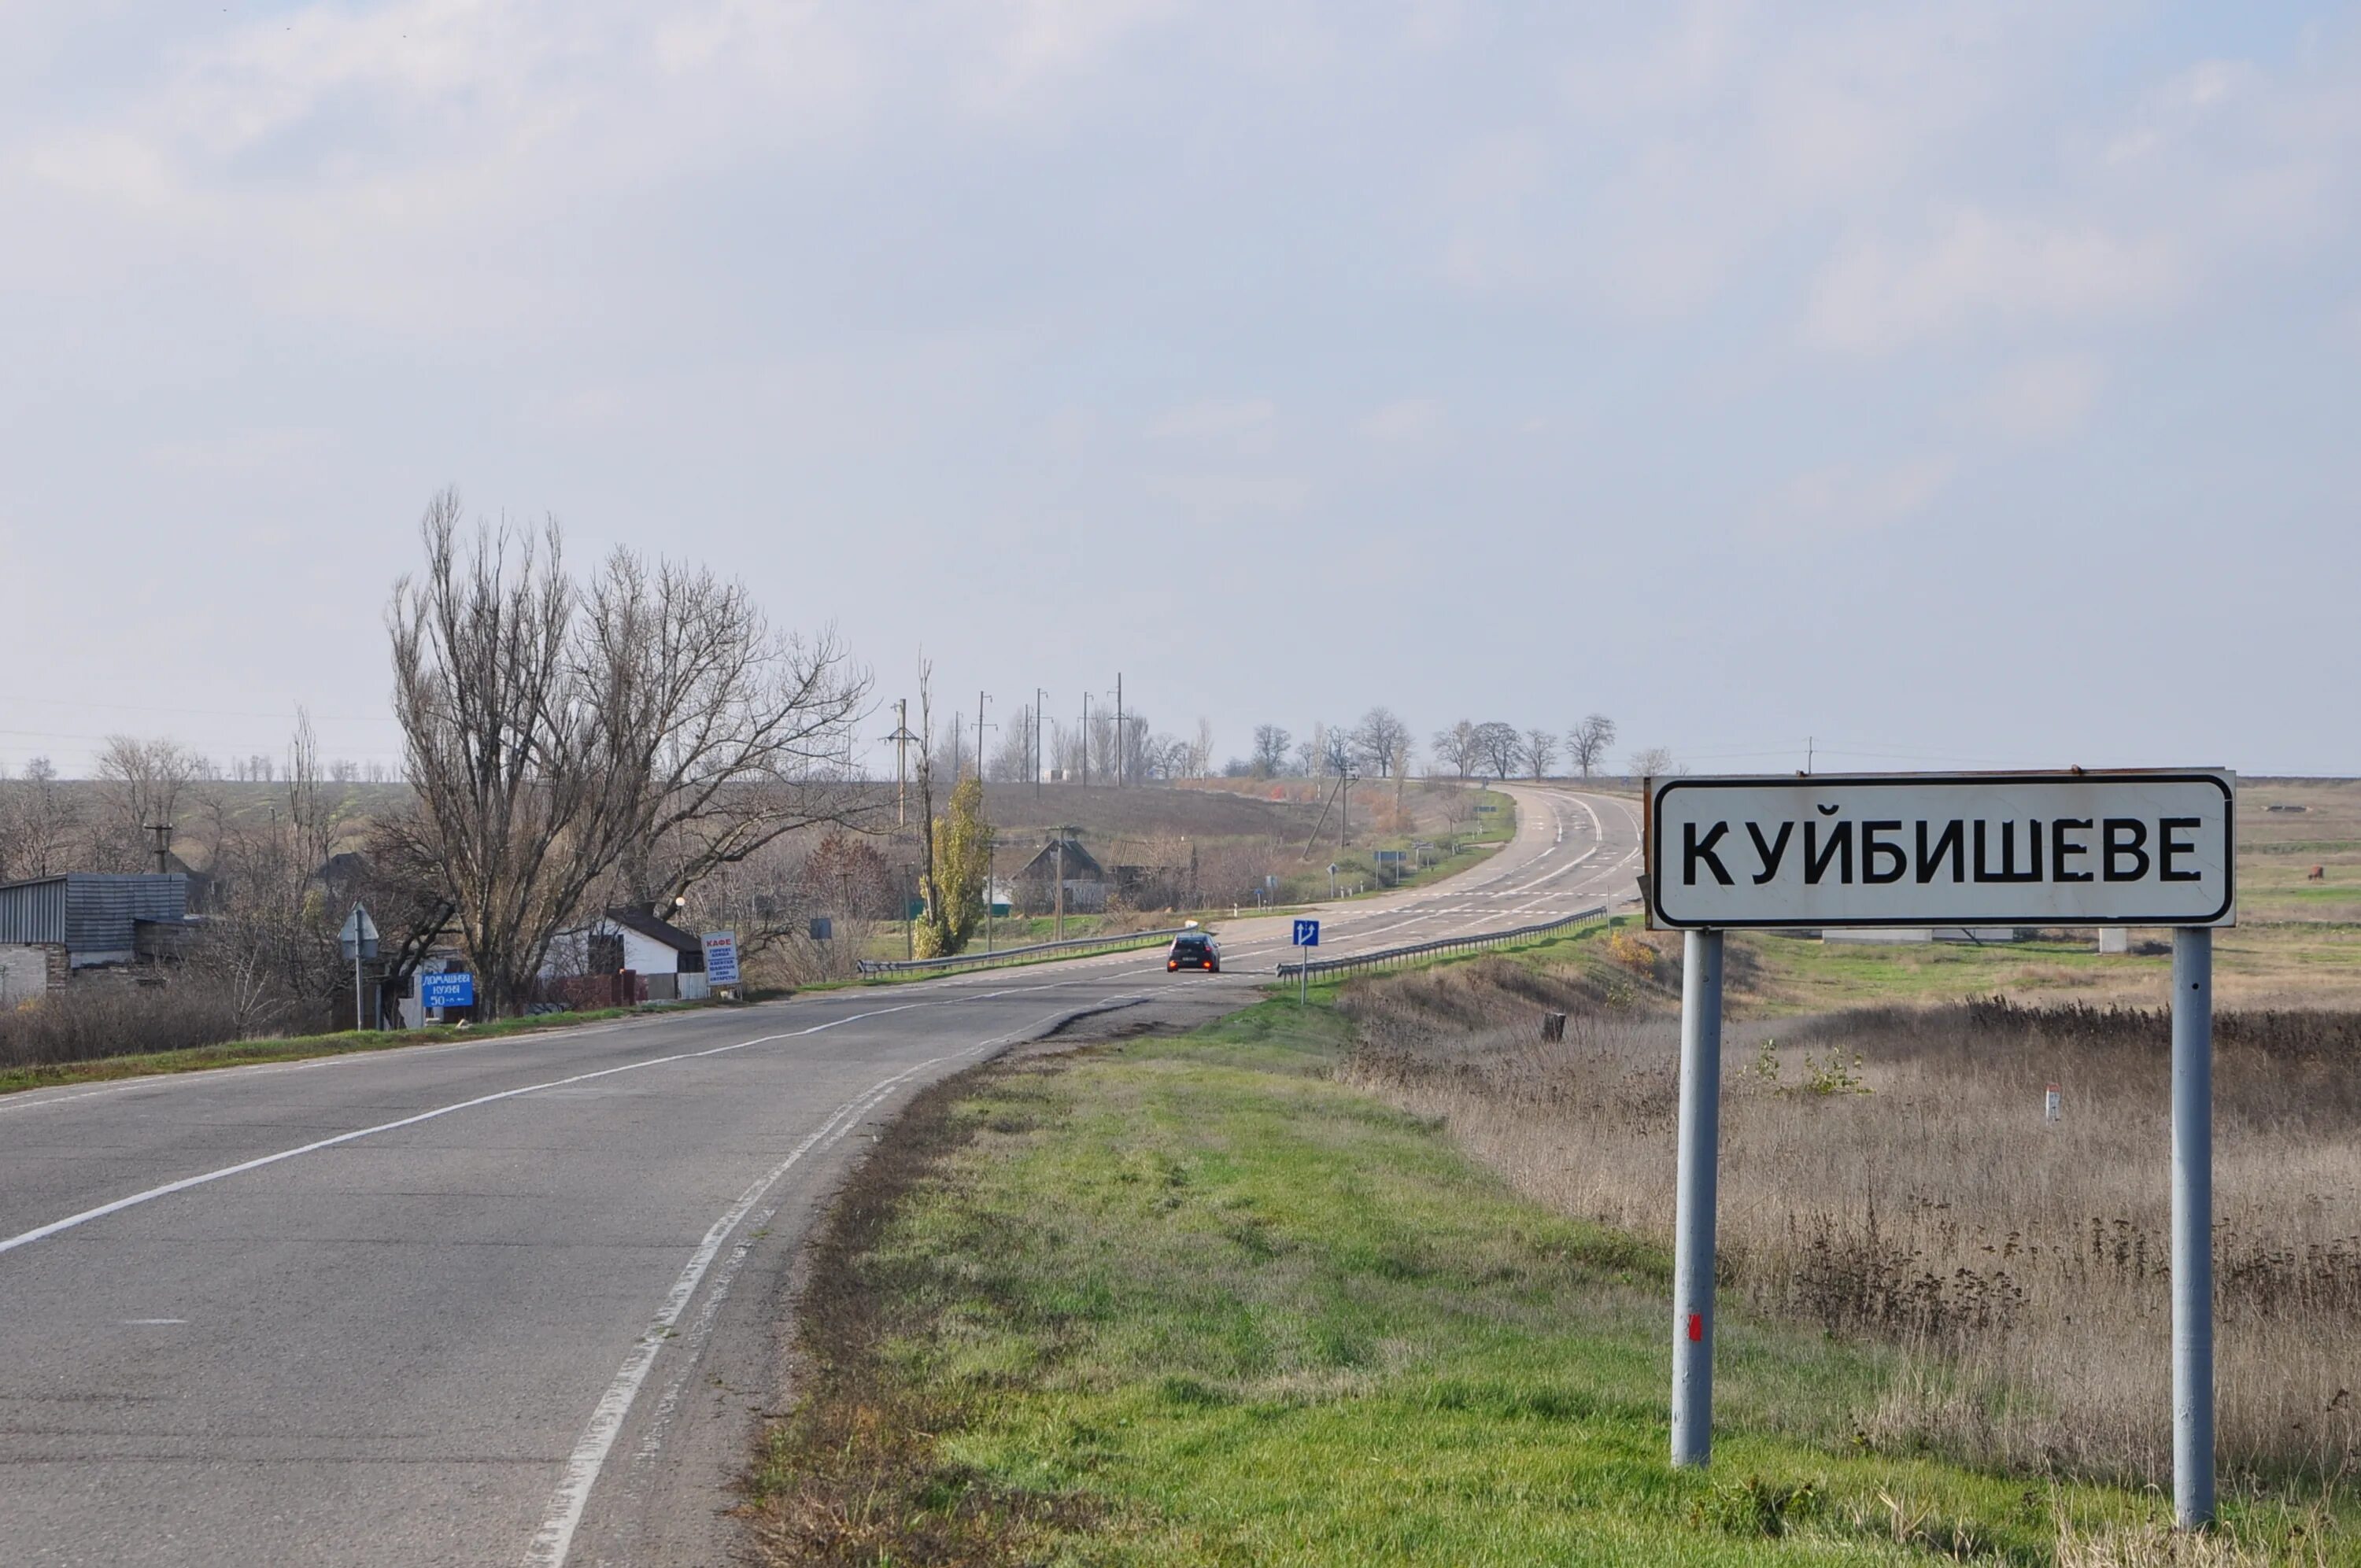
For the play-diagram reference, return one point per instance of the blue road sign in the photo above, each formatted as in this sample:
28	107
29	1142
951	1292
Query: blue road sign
1387	854
446	991
1307	933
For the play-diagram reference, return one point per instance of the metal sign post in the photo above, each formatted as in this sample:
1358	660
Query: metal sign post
358	938
1307	937
2192	1225
1912	850
1693	1206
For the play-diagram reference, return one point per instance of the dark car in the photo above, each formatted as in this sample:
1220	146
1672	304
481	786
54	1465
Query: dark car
1194	949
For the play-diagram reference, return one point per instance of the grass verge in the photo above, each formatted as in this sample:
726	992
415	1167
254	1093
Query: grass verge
1195	1301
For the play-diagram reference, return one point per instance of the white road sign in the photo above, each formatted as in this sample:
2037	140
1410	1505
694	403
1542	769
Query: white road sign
2096	848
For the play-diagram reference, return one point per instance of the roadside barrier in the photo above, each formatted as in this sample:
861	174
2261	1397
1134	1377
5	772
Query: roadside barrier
1077	946
1482	939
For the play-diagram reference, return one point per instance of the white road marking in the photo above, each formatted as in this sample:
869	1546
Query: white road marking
555	1538
151	1322
55	1227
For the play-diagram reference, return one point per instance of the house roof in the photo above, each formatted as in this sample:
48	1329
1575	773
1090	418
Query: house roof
1080	865
656	930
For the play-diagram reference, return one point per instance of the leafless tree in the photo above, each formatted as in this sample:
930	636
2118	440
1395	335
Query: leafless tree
1271	749
652	728
1458	747
1380	741
1586	742
142	786
1012	759
1200	763
1066	749
1651	762
1312	752
1540	751
1501	747
38	823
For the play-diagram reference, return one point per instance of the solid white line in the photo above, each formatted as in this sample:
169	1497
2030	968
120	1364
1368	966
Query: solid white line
555	1540
555	1537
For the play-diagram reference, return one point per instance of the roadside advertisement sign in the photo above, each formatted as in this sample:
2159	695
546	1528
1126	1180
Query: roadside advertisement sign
721	958
2095	849
453	990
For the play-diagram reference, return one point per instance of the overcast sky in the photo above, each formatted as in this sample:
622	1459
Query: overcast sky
1963	383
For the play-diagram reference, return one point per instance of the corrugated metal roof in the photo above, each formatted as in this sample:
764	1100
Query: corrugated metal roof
91	911
33	911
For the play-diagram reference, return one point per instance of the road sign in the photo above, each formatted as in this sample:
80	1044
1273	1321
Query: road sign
2100	849
449	990
720	958
2072	849
358	937
823	928
1385	854
1307	933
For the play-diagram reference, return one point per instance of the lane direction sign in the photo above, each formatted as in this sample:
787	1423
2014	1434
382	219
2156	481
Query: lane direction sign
1307	933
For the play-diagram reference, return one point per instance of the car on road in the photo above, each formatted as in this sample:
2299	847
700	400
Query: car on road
1194	949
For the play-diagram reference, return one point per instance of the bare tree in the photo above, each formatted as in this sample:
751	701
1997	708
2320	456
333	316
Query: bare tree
1270	748
1012	759
1380	741
1312	752
1651	762
1586	742
1501	747
653	728
1458	747
1200	749
38	823
142	784
1540	751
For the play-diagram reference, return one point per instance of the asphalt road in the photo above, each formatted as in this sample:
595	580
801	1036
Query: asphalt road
515	1302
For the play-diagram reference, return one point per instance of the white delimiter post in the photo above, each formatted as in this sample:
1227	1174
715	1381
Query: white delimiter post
1693	1198
2192	1225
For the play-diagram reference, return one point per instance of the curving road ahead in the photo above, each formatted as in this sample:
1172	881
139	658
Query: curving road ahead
514	1302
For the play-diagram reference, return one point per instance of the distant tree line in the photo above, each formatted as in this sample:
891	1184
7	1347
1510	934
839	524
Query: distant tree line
1380	745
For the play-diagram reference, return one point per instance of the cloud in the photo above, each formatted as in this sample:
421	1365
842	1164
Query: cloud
1878	296
1243	421
1404	421
1845	499
2047	398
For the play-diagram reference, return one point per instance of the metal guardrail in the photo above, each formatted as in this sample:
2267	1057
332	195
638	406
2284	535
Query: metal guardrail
1481	939
1115	942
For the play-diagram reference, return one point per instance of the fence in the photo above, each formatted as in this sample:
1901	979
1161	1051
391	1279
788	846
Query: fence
1075	946
1481	939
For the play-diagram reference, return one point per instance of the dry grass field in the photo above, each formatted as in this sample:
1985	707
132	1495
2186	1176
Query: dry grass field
1888	1174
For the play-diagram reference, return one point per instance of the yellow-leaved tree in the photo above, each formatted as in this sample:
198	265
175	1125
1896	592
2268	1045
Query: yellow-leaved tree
960	850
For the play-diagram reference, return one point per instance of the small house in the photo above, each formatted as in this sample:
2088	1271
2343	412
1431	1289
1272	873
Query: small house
1086	882
669	961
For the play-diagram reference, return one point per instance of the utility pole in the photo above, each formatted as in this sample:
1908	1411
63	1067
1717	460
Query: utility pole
901	738
1058	928
980	700
1086	739
1122	742
1343	807
1037	742
163	831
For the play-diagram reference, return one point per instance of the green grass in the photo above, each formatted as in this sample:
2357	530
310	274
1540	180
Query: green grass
1193	1301
245	1053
